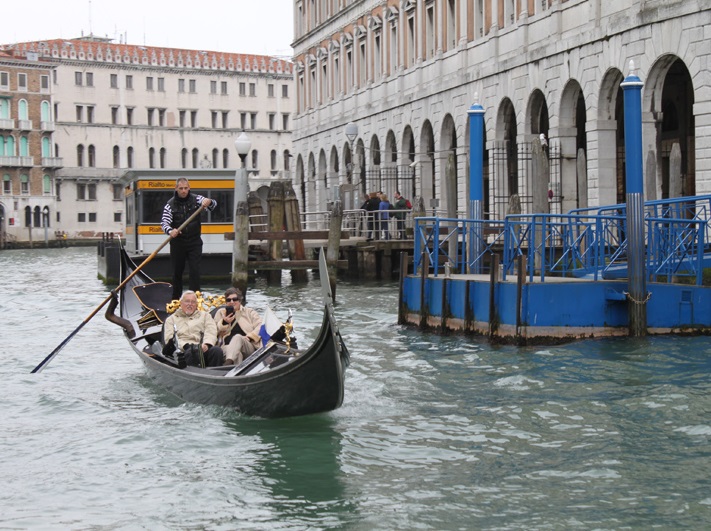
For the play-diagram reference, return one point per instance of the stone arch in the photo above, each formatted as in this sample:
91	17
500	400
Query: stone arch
504	159
360	173
322	181
373	173
572	142
668	95
408	182
334	168
300	182
426	166
311	198
610	140
389	171
448	167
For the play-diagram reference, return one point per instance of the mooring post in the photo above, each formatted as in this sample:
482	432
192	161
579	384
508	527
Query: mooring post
334	244
275	200
240	249
293	223
476	184
636	273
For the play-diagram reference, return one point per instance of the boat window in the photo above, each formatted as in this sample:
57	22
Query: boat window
152	204
223	211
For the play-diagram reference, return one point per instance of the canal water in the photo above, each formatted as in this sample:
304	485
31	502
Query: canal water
435	432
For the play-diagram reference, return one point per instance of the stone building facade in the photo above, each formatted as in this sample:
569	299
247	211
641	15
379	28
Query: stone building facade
118	107
406	72
27	161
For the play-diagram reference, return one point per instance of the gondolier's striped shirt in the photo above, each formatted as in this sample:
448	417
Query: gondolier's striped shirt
167	218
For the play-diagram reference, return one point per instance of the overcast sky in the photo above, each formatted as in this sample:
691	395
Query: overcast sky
240	26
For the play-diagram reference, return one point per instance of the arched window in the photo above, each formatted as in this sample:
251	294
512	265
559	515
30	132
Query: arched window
2	146
196	157
24	184
129	157
45	111
225	158
46	184
184	158
37	222
22	110
6	184
80	155
24	147
162	157
46	147
151	158
255	159
287	156
215	157
28	216
273	160
117	157
92	156
10	146
4	108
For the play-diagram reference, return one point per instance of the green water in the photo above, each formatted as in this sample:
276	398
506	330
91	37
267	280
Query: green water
435	432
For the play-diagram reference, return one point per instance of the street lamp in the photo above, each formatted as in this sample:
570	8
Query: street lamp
351	132
240	248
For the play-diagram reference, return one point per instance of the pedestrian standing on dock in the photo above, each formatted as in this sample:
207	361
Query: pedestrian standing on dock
371	207
185	245
400	213
384	208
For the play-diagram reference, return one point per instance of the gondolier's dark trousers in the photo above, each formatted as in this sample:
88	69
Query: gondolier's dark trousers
185	250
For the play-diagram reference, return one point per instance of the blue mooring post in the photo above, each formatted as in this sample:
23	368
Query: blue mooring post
637	276
476	183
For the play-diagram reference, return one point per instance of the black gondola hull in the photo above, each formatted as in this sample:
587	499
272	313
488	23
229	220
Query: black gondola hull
307	381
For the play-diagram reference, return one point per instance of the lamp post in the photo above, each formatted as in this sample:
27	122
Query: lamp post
352	134
45	224
240	248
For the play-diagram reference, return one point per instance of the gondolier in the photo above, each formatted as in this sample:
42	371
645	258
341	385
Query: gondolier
185	245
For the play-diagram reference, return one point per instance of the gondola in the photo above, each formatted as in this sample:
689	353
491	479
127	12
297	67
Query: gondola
276	381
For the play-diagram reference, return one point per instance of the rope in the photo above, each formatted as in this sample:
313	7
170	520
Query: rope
634	301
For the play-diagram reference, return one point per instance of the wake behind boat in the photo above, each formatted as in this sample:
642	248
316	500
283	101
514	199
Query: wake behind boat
275	381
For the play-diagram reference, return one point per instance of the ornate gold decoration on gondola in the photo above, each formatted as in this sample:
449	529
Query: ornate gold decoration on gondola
204	303
288	328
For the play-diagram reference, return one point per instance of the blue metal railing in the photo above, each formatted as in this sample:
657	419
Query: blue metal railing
585	243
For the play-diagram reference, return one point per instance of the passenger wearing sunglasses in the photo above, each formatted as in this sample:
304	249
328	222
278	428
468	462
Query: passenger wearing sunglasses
237	328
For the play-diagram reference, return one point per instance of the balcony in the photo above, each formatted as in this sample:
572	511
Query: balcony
7	123
47	126
52	162
16	161
24	125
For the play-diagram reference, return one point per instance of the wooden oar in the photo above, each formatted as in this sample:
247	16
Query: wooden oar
52	354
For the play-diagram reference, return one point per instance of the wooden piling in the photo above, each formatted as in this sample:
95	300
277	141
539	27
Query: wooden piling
292	220
275	199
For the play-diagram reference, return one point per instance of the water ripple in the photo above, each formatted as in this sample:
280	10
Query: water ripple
436	432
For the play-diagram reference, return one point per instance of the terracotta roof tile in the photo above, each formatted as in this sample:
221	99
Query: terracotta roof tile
88	49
